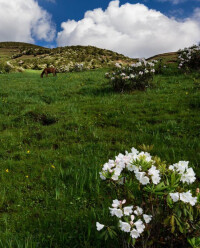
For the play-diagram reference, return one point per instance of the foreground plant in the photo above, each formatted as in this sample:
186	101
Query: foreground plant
159	205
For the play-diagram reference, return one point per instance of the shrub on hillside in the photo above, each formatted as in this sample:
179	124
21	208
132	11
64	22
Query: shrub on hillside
70	67
156	206
189	58
78	67
36	67
5	67
136	76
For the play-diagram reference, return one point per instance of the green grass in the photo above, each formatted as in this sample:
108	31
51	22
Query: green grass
55	133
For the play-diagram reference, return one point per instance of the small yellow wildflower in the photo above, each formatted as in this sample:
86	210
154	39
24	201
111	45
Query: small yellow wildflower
27	176
7	170
186	93
52	166
28	151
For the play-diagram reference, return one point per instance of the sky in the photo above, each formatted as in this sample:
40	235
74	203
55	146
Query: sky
133	28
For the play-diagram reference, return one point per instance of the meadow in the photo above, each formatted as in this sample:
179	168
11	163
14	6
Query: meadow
55	134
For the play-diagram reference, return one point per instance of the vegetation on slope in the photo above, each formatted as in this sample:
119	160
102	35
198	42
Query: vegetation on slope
63	58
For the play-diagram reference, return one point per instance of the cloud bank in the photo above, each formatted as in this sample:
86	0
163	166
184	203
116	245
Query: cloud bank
130	29
24	20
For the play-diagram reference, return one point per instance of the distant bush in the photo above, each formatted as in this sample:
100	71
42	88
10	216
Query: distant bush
189	58
36	67
5	68
78	67
71	67
136	76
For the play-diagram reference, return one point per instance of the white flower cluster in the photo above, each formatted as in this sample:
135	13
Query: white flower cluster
131	162
187	174
70	67
135	225
184	197
132	72
78	67
186	55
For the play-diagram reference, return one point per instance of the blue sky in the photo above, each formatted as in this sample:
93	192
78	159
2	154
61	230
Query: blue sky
134	28
63	10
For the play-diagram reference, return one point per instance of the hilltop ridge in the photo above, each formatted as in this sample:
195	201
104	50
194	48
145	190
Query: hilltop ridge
30	56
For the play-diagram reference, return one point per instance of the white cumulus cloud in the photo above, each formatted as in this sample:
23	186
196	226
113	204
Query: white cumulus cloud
24	20
131	29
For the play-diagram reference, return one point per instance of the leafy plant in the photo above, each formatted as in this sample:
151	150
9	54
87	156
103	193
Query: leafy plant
189	58
158	205
136	76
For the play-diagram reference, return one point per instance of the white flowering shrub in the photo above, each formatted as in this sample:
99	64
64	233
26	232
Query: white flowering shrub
71	67
78	67
189	58
159	204
136	76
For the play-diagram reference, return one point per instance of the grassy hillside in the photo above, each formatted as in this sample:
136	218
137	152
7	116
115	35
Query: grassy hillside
17	45
57	131
29	56
166	57
8	49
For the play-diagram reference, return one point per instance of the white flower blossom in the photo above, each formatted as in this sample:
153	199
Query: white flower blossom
147	218
187	198
128	210
124	226
175	196
132	167
102	176
188	176
138	211
115	177
118	65
116	203
140	226
142	178
132	217
99	226
155	174
135	234
116	212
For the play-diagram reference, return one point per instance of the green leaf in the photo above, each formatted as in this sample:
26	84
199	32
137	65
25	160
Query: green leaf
166	221
106	236
179	213
172	224
169	201
179	225
160	187
192	242
173	178
133	241
103	234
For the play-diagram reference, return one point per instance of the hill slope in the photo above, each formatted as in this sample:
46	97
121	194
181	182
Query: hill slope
34	57
166	57
57	131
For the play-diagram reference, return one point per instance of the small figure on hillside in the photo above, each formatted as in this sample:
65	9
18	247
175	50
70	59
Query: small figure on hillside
46	71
